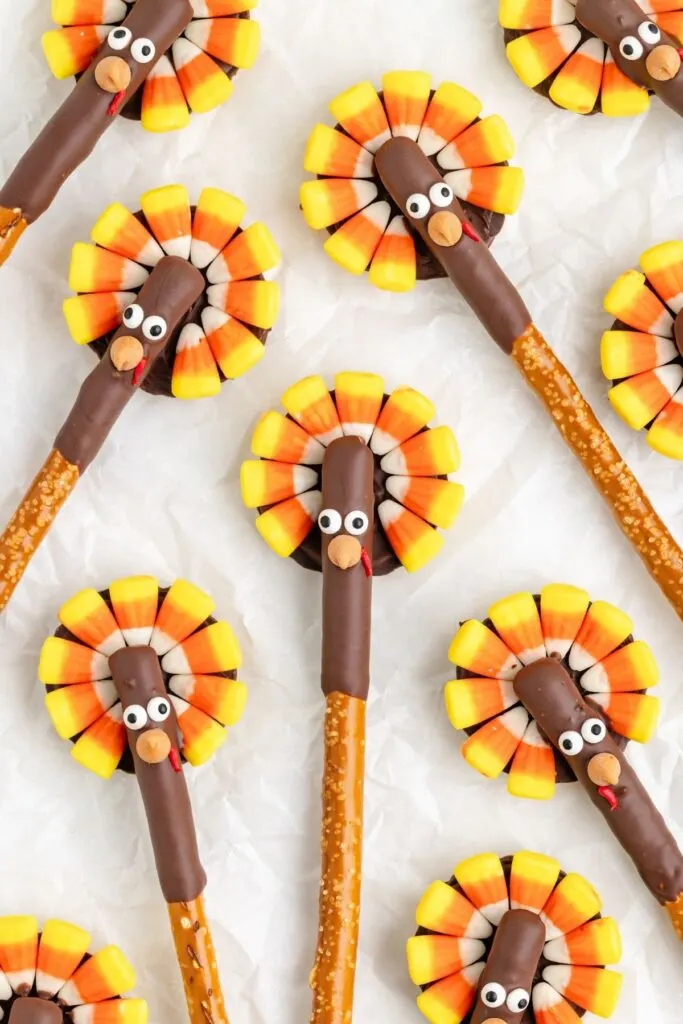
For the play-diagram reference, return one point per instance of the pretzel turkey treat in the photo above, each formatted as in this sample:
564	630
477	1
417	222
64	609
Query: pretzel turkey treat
174	301
514	941
350	482
381	191
144	679
551	688
597	55
642	353
49	976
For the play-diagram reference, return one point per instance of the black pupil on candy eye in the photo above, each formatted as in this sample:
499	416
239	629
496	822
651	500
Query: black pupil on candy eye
414	208
120	33
162	708
358	523
491	997
132	718
325	522
155	331
445	191
628	49
567	745
523	1003
146	51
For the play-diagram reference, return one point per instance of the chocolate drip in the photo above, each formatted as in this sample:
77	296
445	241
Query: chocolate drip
33	1010
71	134
171	289
137	676
550	695
405	170
347	486
614	20
512	962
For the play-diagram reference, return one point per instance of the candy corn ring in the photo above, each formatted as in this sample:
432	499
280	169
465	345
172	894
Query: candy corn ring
412	494
592	640
641	353
143	678
366	227
224	333
597	55
514	939
195	73
48	976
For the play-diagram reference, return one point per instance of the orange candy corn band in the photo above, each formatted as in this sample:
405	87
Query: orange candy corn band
197	961
333	975
579	427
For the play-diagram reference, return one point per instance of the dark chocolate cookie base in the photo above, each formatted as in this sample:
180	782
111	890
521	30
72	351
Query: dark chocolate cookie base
563	773
126	762
158	380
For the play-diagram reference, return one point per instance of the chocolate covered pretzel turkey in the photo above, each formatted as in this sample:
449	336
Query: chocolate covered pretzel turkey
144	679
49	976
399	181
351	482
174	301
514	941
551	688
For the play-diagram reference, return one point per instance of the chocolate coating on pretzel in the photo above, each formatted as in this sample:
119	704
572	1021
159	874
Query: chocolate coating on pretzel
33	1010
405	170
169	292
156	755
550	695
72	133
512	963
658	67
347	487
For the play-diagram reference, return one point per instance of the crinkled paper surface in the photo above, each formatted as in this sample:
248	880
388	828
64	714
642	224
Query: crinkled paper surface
163	498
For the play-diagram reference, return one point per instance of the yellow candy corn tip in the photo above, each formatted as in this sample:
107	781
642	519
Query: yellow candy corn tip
212	93
661	256
637	102
77	324
57	54
65	936
622	291
276	538
472	870
243	358
189	388
389	277
460	708
528	787
248	44
346	254
16	929
201	751
422	551
665	442
159	120
117	969
511	196
60	714
90	756
627	404
235	703
483	761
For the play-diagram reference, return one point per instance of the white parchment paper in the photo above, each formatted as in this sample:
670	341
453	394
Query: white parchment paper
163	498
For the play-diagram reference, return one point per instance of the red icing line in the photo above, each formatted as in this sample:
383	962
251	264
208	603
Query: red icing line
468	230
367	564
138	372
608	794
116	103
174	758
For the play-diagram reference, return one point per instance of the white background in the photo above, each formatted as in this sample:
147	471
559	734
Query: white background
163	498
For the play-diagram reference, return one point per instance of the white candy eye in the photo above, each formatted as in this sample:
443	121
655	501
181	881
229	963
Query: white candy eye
330	521
158	709
594	730
649	32
119	38
631	48
418	206
143	51
356	523
518	1000
571	743
133	316
135	717
154	328
441	194
493	994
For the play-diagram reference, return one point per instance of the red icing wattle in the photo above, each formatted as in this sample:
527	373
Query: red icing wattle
608	794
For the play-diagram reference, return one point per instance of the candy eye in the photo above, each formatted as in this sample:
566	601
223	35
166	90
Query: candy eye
631	48
135	717
154	328
594	730
518	1000
133	316
418	206
356	523
159	709
493	994
143	51
119	38
441	194
330	521
571	743
649	32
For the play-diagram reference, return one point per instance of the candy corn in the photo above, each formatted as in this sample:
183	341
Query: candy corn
591	988
406	96
639	399
452	998
62	947
451	110
431	957
310	404
235	348
328	201
251	253
88	12
354	244
362	116
484	143
535	56
277	437
477	649
595	943
90	316
216	220
96	270
195	374
483	881
266	483
183	609
572	903
120	232
437	501
394	267
204	83
625	353
163	104
630	300
101	747
445	910
233	41
254	302
577	85
69	51
632	667
634	715
135	601
105	975
112	1011
284	527
212	649
414	542
619	96
528	14
518	624
430	453
167	211
533	877
532	772
63	662
493	188
666	433
603	629
73	708
551	1008
359	398
563	609
492	747
88	617
201	735
404	414
19	951
334	155
221	698
472	701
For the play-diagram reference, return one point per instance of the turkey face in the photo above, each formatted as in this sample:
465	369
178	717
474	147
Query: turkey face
504	993
573	726
148	715
347	516
646	55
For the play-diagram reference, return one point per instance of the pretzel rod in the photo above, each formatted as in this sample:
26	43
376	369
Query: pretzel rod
72	133
512	962
347	528
406	173
550	695
169	292
153	743
641	50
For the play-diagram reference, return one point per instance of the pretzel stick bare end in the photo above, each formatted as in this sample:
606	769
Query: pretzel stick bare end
333	976
197	962
581	430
